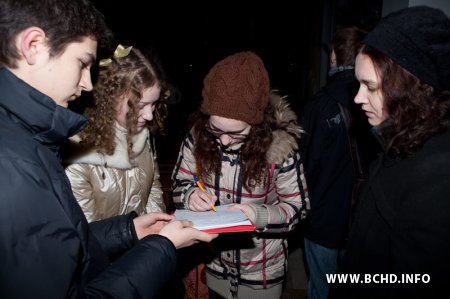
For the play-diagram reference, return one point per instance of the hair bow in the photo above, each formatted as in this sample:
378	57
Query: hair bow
120	52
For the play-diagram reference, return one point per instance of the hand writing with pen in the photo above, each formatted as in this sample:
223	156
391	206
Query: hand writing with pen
200	200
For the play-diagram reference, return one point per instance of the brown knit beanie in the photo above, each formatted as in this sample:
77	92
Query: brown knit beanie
237	88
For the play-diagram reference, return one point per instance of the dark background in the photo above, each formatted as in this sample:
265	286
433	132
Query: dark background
189	38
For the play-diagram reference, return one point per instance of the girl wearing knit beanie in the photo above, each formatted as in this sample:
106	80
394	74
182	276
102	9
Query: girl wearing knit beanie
400	240
243	144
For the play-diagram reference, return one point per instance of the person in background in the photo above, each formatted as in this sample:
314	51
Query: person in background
113	168
400	239
335	149
47	248
243	146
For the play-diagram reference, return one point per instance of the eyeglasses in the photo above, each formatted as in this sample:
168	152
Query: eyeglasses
218	133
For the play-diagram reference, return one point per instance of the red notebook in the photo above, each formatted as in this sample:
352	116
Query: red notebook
224	220
231	229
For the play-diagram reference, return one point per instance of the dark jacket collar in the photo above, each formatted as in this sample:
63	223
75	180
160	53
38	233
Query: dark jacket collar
48	122
345	74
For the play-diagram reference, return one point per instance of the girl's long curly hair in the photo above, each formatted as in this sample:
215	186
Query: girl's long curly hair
125	77
252	153
416	111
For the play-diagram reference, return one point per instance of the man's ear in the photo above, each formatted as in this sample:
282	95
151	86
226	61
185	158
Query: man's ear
31	41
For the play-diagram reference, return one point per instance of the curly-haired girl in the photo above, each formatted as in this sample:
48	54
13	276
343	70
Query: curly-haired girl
113	166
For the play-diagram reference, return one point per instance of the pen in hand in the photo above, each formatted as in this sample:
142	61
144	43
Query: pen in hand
199	184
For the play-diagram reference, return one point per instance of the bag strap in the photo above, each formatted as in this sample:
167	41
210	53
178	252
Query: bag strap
356	160
357	167
354	153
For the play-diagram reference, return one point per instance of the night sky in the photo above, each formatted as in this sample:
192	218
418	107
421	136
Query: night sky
189	38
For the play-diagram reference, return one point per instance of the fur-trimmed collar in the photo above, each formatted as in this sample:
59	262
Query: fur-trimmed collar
119	159
285	139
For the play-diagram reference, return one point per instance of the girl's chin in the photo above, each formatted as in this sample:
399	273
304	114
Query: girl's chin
140	128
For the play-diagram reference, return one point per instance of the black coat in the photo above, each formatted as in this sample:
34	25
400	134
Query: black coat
327	158
402	226
47	248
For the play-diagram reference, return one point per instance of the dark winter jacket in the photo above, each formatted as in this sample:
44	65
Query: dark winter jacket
327	158
402	227
47	248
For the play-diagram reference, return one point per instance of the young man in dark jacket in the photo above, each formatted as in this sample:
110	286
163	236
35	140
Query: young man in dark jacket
47	248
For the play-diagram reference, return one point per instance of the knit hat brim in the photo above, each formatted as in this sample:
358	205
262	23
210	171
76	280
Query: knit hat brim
418	39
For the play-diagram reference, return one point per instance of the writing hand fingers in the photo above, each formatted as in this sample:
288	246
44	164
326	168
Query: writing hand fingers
201	201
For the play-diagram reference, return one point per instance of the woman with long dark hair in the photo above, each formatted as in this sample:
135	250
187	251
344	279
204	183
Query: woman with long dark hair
400	240
243	145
